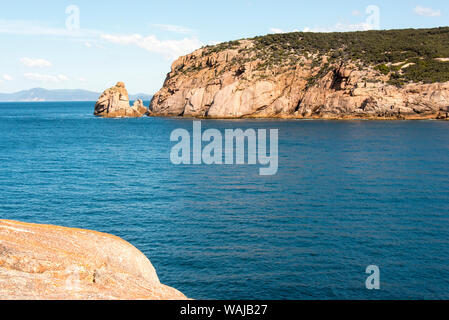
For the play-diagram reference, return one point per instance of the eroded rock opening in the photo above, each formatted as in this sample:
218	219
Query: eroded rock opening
339	80
240	71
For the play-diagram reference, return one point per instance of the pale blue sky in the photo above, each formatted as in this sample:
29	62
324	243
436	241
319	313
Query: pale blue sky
136	41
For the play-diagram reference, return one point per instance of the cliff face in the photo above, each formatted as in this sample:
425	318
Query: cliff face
114	103
55	263
252	78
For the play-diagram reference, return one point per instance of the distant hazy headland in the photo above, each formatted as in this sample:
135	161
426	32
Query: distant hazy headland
40	94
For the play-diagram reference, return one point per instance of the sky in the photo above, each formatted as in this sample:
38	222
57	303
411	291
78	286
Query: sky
94	44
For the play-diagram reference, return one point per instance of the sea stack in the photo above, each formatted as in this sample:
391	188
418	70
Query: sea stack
114	103
46	262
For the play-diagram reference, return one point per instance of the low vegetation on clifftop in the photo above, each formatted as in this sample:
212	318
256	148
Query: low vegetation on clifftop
423	51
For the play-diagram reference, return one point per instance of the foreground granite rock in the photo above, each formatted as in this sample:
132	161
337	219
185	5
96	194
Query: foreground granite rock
114	103
51	262
237	82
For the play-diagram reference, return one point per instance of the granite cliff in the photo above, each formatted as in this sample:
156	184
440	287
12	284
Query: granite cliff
396	74
55	263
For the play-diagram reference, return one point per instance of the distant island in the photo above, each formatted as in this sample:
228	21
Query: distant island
390	74
40	94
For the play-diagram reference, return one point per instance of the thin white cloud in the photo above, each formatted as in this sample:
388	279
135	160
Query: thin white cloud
276	30
7	77
213	43
35	28
427	12
82	79
91	42
171	49
372	22
174	28
46	77
35	62
341	27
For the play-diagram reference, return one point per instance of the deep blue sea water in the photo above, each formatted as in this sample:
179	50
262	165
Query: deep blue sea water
347	195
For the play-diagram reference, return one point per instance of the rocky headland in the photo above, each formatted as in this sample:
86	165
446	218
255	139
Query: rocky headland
114	103
396	74
55	263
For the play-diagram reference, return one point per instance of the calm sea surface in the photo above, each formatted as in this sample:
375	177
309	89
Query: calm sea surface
347	195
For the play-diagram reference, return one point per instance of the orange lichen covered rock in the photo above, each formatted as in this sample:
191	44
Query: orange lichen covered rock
57	263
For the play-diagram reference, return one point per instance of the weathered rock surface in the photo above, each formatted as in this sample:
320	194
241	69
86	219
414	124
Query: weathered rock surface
50	262
114	103
232	84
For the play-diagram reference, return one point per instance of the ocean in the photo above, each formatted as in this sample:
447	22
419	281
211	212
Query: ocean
347	194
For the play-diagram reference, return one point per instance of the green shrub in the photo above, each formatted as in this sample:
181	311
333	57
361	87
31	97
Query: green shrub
382	68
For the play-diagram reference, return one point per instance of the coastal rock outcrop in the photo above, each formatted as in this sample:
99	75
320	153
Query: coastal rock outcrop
114	103
56	263
284	76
